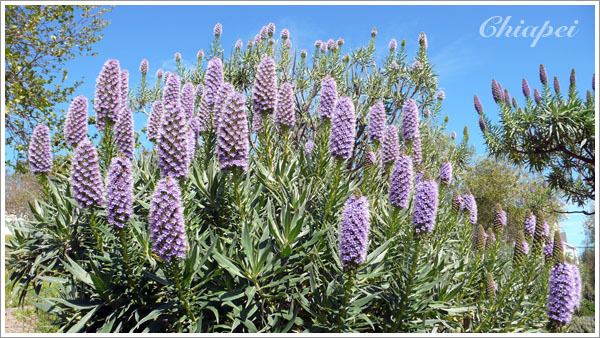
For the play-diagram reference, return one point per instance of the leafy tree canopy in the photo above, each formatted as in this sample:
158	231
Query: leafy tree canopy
552	133
39	41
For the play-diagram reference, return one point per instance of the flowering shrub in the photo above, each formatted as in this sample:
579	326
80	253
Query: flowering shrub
343	211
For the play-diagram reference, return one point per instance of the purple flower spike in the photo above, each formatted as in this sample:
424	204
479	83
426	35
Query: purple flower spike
355	227
167	225
507	97
563	293
370	158
410	120
441	95
166	76
154	121
499	219
545	229
200	54
340	42
416	65
543	75
203	114
323	47
188	99
426	205
257	123
288	44
264	96
159	73
171	92
471	206
453	135
343	129
213	79
86	181
264	33
194	125
478	106
119	192
482	124
223	93
391	146
556	86
124	133
199	91
144	67
124	87
401	181
238	44
530	224
331	45
328	97
233	134
416	149
177	57
537	96
393	44
285	106
526	89
218	29
525	246
76	121
423	40
548	250
497	92
173	143
257	39
40	154
318	44
271	29
107	99
309	146
285	34
376	122
374	32
446	172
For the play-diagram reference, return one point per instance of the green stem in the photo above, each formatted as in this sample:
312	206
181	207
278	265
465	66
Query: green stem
93	226
499	300
238	196
183	299
342	314
330	201
473	273
127	265
409	285
518	305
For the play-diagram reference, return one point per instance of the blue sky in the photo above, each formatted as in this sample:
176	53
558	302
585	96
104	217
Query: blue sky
465	61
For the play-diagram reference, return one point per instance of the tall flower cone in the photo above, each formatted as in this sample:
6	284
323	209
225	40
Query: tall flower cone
354	232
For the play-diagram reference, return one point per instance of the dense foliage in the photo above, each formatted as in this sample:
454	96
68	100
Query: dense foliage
239	222
496	182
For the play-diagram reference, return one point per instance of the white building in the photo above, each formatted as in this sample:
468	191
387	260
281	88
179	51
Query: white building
570	251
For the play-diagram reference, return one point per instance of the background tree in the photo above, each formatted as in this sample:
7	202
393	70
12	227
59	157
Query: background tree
39	41
21	188
553	133
588	268
495	181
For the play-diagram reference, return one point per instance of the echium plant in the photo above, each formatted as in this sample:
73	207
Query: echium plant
347	212
551	134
